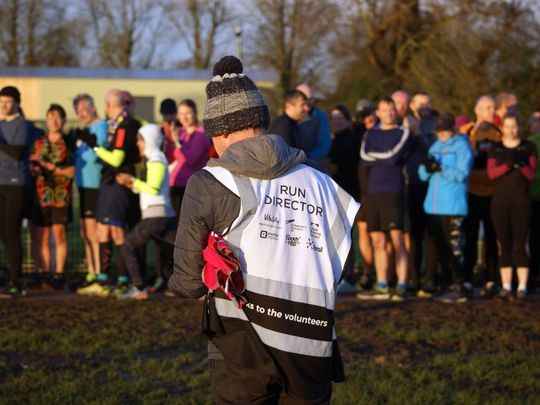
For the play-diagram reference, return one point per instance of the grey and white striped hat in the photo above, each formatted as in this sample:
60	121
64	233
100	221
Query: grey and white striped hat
233	100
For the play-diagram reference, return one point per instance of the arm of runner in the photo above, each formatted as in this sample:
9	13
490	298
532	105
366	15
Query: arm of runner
113	158
155	175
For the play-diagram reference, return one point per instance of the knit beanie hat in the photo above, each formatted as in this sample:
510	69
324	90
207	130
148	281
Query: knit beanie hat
13	92
233	101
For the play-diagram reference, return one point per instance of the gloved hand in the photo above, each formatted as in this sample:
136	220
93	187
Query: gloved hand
431	164
87	138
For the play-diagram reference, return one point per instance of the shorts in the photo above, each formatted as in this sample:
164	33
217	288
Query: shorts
385	212
88	198
48	216
113	204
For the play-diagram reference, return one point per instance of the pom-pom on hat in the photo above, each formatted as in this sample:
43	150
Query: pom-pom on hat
233	100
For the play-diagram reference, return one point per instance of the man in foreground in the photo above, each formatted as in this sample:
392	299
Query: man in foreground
289	225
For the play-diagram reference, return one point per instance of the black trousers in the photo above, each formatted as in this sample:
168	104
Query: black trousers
235	385
447	233
480	211
12	203
418	231
511	220
534	246
137	238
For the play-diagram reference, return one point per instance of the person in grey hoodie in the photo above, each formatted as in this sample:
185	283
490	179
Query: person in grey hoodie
289	226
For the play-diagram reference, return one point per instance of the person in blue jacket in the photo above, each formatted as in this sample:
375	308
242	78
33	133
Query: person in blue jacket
447	170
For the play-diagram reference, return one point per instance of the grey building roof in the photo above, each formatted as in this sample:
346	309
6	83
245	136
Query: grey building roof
142	74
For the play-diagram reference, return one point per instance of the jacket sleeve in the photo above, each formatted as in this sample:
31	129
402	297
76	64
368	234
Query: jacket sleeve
155	175
462	169
207	206
529	170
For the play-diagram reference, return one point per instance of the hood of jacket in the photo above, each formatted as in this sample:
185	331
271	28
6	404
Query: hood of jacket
261	157
153	138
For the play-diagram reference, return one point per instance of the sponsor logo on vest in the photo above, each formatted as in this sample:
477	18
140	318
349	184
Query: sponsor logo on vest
271	218
270	221
268	235
311	245
314	230
292	240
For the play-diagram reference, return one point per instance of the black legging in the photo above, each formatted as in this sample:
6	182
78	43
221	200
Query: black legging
447	233
479	210
11	214
137	238
511	216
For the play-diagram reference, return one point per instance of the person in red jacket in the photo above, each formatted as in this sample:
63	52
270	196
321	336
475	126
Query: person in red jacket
511	165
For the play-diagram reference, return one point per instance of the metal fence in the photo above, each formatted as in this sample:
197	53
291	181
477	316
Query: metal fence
76	261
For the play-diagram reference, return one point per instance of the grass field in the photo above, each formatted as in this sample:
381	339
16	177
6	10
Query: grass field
64	349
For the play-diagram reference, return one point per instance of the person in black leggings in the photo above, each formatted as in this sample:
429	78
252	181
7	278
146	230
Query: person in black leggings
512	165
14	145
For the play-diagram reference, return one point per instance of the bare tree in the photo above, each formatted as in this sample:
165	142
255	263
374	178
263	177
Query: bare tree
38	32
290	37
124	32
198	23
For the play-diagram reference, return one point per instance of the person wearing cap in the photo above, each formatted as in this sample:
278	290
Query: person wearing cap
289	225
15	142
156	209
446	169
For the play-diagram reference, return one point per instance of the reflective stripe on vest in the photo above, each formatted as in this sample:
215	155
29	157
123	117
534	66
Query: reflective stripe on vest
292	236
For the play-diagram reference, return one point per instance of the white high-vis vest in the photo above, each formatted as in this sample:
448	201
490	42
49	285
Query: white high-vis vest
292	237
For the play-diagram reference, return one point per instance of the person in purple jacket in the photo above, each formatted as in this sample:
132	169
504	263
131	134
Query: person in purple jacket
384	150
188	153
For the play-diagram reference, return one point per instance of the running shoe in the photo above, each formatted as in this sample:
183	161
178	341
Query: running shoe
133	293
95	290
365	282
399	295
521	295
452	297
426	292
376	293
505	295
159	285
12	291
489	292
120	290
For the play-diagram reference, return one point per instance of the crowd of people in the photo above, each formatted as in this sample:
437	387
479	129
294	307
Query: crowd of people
431	186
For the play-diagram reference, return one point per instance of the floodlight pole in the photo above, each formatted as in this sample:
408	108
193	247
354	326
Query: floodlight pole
238	32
